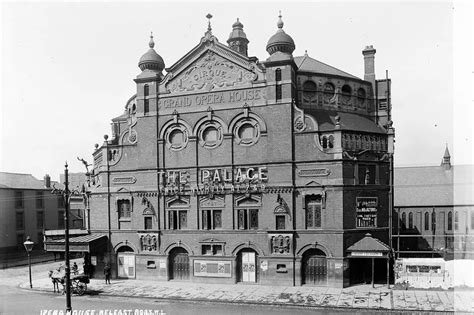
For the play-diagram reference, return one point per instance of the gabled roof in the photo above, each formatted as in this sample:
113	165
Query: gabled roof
327	121
20	181
433	186
307	64
369	244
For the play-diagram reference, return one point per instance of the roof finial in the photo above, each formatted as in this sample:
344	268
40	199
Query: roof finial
209	17
151	43
306	52
280	21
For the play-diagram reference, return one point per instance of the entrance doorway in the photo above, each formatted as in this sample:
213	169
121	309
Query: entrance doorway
314	267
247	265
125	262
361	271
179	264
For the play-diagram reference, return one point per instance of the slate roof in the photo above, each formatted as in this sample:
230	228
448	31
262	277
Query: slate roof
433	186
327	120
307	64
21	181
369	244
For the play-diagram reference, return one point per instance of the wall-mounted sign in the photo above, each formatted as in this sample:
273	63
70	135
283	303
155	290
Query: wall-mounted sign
124	180
215	181
364	254
207	99
213	268
264	265
366	211
314	172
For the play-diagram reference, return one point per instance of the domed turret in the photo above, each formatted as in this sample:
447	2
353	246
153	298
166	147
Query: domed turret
280	41
151	60
237	39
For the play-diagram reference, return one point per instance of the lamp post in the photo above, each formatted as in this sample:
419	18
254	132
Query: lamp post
29	247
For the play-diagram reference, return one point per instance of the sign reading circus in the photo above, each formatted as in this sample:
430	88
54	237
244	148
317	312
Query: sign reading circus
214	181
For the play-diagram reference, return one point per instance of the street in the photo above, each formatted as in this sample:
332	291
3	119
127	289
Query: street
15	300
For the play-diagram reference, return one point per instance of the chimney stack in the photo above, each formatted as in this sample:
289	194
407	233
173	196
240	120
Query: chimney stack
369	64
47	181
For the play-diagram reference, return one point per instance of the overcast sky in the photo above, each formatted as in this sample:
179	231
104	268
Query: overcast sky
67	69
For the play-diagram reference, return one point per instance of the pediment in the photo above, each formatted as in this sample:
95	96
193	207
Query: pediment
211	66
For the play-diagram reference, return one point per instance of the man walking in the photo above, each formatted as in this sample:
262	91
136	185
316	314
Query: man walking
107	273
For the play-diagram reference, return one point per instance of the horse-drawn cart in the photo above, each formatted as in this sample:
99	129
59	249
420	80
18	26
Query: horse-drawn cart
79	284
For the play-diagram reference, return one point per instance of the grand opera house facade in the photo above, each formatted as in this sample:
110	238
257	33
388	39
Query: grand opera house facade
227	169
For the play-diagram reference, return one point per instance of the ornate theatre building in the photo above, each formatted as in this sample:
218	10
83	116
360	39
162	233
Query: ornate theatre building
227	169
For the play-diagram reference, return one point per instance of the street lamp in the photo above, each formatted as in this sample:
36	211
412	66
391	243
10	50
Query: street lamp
29	247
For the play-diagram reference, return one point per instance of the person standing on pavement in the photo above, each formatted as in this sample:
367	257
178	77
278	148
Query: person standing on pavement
107	273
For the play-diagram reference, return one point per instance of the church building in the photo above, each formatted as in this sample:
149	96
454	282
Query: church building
225	168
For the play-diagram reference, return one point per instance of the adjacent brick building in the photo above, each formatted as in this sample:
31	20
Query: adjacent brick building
230	169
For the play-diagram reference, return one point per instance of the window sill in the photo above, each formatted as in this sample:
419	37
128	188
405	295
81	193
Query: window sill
125	220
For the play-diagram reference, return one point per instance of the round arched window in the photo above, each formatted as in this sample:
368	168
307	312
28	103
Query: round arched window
309	91
346	92
247	131
328	91
176	137
361	95
210	134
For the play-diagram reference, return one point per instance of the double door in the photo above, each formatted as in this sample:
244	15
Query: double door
126	265
248	267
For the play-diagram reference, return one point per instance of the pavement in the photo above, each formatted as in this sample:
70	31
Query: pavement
353	298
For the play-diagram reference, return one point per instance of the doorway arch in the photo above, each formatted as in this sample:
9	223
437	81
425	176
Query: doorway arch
125	262
179	264
314	269
246	266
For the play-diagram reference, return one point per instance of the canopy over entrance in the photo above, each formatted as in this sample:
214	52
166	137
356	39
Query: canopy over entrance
370	247
89	243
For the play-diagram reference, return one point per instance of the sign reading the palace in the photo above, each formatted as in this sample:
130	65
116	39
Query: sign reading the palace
218	180
226	97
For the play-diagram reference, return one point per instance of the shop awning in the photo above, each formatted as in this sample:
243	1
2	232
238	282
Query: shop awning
368	247
89	243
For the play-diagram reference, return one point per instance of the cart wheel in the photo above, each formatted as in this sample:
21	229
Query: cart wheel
81	288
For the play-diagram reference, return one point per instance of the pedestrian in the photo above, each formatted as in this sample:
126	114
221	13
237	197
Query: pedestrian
107	273
75	269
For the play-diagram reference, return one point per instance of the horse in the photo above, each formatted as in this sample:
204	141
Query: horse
56	279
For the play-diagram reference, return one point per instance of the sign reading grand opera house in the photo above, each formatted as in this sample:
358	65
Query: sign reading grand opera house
227	169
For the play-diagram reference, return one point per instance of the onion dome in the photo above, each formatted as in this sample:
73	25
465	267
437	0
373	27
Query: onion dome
151	60
280	41
237	32
237	39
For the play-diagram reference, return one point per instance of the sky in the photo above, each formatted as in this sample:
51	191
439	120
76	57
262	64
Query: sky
67	68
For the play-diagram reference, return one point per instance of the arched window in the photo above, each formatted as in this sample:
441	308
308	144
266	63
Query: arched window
328	91
433	221
324	142
247	131
146	90
278	74
456	220
309	90
346	92
450	221
404	220
361	96
427	221
331	142
210	135
313	211
410	220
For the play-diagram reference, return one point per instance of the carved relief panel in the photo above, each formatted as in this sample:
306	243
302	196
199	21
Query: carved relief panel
210	72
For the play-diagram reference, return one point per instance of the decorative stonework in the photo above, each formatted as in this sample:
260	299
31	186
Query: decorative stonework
280	244
148	242
216	202
210	72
